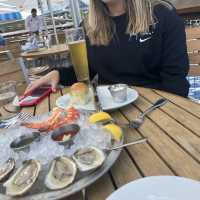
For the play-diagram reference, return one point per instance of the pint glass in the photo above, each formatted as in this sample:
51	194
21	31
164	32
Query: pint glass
78	52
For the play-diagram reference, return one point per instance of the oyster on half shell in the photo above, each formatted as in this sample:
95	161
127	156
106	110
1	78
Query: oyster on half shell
23	179
89	158
7	168
62	173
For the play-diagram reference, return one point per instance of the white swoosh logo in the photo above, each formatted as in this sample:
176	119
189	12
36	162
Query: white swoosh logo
144	40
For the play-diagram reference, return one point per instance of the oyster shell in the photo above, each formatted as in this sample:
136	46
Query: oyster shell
62	173
89	158
7	168
23	179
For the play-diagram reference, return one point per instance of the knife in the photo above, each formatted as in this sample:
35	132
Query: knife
94	84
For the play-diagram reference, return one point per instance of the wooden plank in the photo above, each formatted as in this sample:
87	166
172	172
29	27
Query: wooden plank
193	45
186	104
175	157
10	66
194	58
5	114
53	98
101	189
183	117
42	107
192	33
186	7
15	76
194	71
124	170
29	110
182	136
147	159
11	70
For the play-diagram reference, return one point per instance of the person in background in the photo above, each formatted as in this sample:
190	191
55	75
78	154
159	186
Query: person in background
137	42
33	22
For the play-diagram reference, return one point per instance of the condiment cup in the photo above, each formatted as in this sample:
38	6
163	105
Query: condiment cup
64	130
118	92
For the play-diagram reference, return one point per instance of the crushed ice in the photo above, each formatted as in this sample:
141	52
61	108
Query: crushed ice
46	150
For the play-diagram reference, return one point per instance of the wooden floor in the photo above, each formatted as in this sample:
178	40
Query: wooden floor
173	146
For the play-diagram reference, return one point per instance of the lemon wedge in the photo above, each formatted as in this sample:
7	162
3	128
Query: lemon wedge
115	130
99	117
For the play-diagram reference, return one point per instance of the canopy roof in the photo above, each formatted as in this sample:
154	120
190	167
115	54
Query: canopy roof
24	6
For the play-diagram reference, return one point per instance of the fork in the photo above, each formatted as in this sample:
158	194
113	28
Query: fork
136	123
13	121
127	144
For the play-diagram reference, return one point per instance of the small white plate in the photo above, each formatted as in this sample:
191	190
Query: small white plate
105	98
159	188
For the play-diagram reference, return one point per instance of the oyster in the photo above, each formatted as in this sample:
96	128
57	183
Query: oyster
89	158
62	173
7	168
23	179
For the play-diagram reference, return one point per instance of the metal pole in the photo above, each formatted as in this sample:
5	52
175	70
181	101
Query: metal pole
75	11
52	18
42	12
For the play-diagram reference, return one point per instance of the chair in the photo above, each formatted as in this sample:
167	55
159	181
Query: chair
5	55
193	47
13	47
14	70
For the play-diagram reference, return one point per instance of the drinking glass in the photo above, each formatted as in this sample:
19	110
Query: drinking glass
78	52
7	92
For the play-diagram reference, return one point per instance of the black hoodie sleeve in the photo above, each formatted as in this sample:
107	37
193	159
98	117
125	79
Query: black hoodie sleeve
67	76
175	65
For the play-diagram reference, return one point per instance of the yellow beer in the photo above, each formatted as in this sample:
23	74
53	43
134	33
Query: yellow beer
79	59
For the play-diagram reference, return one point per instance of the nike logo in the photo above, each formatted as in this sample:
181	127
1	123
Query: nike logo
144	40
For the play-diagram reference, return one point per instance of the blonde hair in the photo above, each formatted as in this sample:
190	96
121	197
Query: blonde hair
100	27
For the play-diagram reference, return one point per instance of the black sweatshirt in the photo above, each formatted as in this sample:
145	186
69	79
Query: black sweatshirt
157	59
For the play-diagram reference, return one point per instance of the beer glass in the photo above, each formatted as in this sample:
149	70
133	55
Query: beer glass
78	52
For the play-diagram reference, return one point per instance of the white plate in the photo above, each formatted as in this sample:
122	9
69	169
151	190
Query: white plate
105	98
159	188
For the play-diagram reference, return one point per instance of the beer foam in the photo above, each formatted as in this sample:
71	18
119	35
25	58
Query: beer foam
76	42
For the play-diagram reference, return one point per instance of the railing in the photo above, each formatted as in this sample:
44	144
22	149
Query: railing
193	47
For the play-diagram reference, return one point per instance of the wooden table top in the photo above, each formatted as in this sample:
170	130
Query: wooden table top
43	52
173	146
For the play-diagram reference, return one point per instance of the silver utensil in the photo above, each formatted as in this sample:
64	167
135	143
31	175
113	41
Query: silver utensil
136	123
84	194
94	84
127	144
23	142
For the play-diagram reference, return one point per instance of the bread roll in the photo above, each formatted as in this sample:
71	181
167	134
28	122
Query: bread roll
79	93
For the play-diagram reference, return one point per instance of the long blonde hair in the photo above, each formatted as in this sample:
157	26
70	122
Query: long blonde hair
100	27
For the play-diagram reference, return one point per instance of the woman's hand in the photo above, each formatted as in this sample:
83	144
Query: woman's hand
51	78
